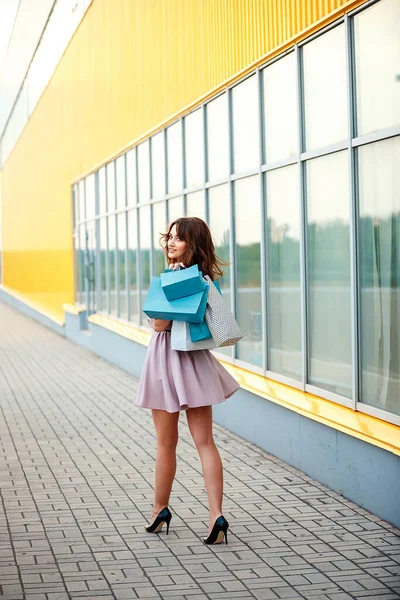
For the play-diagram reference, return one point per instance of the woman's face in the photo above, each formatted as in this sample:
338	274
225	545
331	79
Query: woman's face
176	246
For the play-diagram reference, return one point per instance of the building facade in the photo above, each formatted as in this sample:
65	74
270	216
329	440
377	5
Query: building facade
278	122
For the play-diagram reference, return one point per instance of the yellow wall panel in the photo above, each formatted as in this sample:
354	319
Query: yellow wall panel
131	65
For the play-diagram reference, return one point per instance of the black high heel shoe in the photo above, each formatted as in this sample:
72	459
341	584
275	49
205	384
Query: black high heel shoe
164	516
218	532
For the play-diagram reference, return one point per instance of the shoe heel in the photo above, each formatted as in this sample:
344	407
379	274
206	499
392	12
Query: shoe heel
219	532
164	516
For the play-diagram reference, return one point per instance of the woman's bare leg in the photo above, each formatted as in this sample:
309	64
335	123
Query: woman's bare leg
167	438
200	426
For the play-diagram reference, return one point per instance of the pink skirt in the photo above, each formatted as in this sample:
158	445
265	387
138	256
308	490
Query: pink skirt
172	380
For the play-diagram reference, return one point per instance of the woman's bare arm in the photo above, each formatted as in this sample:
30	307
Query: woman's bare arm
161	325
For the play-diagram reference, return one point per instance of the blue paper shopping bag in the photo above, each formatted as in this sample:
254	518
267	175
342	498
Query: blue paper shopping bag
190	309
184	282
199	332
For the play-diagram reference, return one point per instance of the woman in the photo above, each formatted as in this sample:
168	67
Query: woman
172	381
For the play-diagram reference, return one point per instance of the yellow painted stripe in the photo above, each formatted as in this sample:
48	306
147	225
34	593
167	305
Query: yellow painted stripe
73	309
37	306
126	330
359	425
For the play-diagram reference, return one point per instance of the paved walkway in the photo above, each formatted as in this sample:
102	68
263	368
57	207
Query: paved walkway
76	476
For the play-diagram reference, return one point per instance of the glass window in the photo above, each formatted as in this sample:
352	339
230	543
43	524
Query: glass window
123	303
218	166
158	165
75	205
175	169
328	263
325	89
77	283
144	256
131	182
379	251
175	208
144	171
82	211
111	186
103	265
284	295
102	191
377	51
246	140
220	225
281	129
81	269
90	261
112	264
194	149
159	227
132	266
248	244
90	196
121	182
195	205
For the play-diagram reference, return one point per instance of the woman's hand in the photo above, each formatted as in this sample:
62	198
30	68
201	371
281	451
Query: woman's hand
161	325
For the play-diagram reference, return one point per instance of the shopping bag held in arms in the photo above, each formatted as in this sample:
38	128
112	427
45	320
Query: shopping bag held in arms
190	309
181	340
220	320
199	331
185	282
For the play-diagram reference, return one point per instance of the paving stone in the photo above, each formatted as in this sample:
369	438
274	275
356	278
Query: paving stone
76	478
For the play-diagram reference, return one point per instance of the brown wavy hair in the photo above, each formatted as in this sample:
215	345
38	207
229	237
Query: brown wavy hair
200	251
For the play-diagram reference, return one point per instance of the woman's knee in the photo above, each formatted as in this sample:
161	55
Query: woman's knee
200	426
166	429
203	439
168	443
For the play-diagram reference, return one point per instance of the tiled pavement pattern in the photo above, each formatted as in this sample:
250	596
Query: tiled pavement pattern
76	475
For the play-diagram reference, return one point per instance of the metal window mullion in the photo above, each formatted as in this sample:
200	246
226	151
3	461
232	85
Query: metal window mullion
211	184
286	162
264	239
138	266
107	244
166	188
86	291
303	220
116	256
183	154
205	164
74	226
107	270
361	8
336	147
232	241
354	281
151	256
126	240
81	197
97	242
374	136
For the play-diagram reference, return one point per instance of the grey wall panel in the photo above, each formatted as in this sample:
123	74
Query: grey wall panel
361	472
30	312
118	350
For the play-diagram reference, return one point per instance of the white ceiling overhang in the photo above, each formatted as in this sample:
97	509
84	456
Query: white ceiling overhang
21	26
